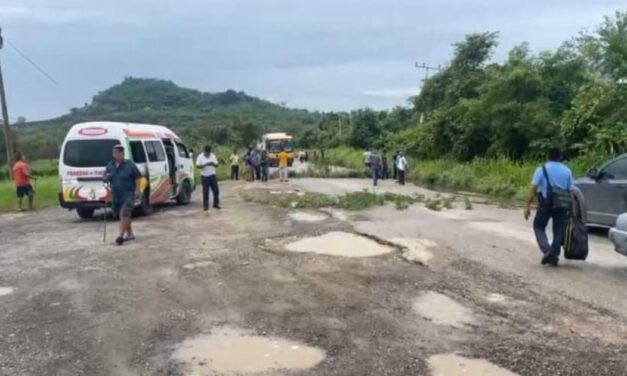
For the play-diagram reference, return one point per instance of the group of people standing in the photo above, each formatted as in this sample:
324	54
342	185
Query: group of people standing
257	165
377	166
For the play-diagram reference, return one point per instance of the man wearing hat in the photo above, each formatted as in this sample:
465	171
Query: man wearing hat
123	175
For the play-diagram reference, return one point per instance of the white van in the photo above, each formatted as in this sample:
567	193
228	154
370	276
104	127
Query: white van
162	158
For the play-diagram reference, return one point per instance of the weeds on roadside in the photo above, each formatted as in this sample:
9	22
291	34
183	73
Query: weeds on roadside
433	204
467	203
350	201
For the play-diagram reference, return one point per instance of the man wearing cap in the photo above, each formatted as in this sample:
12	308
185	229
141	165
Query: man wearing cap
124	178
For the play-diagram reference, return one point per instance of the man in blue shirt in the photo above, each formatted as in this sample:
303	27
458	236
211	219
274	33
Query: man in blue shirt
123	176
559	176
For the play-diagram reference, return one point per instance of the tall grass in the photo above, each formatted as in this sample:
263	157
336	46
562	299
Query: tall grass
46	189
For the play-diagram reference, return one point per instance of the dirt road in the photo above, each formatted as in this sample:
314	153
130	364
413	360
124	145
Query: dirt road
260	290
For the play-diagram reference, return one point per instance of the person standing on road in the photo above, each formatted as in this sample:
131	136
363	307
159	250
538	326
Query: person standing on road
366	157
124	177
552	176
283	168
248	162
375	167
264	166
401	167
234	159
394	169
207	163
256	160
22	179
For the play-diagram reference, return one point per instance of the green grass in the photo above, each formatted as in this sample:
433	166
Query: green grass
45	194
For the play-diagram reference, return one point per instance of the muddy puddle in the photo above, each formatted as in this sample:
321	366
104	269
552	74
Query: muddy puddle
339	243
455	365
442	310
231	351
302	216
5	290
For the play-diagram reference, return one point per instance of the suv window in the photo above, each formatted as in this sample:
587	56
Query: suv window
617	169
155	151
183	153
138	152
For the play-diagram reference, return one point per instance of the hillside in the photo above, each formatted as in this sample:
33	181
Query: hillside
229	117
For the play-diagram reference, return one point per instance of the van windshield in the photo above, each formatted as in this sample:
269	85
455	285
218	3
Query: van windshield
88	153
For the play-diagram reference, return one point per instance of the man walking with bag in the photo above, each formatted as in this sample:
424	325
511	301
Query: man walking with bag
551	185
207	163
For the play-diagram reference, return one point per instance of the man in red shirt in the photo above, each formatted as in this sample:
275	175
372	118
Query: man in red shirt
22	178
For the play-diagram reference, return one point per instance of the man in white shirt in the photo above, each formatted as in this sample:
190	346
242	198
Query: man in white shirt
207	163
401	167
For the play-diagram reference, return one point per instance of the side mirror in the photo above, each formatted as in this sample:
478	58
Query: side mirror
593	173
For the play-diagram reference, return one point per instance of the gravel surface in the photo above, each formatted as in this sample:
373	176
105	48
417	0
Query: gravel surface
76	306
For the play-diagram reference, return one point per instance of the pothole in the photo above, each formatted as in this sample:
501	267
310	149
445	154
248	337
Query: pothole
230	351
307	217
416	250
6	290
442	310
455	365
338	243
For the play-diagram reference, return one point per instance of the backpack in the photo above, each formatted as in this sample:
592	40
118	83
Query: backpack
575	239
558	198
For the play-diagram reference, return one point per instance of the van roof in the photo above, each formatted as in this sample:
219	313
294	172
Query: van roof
107	129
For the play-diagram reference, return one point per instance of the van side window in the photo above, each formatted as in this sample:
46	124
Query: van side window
150	150
182	150
155	151
138	152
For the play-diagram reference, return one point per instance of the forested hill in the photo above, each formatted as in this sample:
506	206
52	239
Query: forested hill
229	117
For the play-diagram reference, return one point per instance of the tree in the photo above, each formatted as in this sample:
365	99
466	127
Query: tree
606	49
366	132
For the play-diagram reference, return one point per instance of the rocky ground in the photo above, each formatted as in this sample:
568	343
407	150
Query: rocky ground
255	289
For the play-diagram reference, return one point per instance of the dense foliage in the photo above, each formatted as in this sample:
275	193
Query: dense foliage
229	118
574	97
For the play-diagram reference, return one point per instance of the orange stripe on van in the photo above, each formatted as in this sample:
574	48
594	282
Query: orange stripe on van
134	133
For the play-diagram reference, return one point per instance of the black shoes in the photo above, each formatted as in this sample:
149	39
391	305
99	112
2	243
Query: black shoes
217	207
119	240
550	260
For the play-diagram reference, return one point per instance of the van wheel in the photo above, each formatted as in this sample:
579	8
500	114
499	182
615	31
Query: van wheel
145	208
185	195
85	213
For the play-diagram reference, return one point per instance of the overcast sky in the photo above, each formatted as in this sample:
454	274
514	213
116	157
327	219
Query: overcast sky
315	54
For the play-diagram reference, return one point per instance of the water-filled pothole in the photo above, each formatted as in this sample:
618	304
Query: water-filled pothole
5	290
338	243
230	351
442	310
455	365
301	216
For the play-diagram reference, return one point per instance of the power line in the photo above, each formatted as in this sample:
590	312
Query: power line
31	62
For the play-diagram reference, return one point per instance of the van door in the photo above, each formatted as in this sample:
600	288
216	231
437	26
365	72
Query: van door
185	164
138	155
157	171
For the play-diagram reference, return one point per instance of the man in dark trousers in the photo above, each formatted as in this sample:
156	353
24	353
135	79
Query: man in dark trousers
207	163
124	177
551	176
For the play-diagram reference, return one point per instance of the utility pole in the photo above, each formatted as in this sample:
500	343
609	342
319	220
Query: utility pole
427	69
8	136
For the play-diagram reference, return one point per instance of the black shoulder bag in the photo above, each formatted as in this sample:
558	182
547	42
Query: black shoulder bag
557	198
